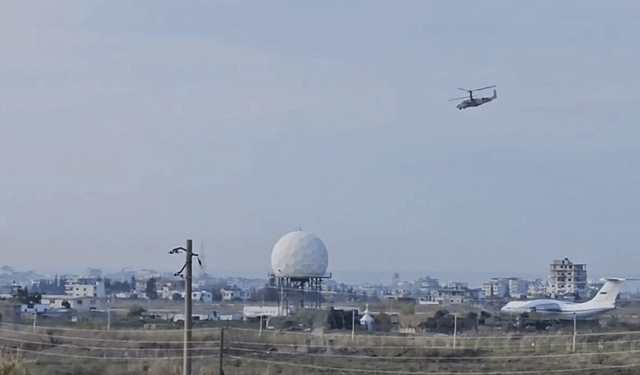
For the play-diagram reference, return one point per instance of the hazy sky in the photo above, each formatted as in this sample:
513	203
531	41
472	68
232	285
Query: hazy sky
129	126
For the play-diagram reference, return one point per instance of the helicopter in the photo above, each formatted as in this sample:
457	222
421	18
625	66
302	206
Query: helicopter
474	102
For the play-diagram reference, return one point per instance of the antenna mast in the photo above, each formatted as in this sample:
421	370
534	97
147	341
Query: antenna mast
203	270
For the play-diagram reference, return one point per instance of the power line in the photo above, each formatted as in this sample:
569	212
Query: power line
378	371
355	356
417	338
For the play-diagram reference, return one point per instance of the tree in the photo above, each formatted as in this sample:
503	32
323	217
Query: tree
27	298
382	319
216	295
136	310
441	313
151	291
408	309
266	294
117	286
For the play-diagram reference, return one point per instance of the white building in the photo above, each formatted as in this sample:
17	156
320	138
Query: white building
456	285
518	287
235	293
429	283
567	278
429	299
256	311
214	316
37	308
84	287
167	293
496	287
232	316
455	294
202	296
537	289
81	303
367	320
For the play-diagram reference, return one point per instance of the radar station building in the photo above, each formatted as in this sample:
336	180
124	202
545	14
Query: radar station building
299	262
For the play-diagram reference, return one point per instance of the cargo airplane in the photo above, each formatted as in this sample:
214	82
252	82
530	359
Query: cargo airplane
554	309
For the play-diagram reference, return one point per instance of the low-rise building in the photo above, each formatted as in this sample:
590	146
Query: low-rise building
80	303
202	296
232	316
35	308
537	289
85	287
458	293
235	294
257	311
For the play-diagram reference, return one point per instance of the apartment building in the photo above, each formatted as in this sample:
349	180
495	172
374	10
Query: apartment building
567	279
496	288
85	287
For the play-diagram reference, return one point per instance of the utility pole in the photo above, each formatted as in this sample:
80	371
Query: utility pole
575	333
353	324
35	318
221	371
109	318
187	300
455	329
187	309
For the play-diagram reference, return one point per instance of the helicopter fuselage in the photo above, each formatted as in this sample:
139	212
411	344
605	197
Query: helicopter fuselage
474	102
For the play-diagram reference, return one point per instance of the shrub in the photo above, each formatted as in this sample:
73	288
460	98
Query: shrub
136	310
408	309
11	366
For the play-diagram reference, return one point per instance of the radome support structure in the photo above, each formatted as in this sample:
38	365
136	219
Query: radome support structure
301	292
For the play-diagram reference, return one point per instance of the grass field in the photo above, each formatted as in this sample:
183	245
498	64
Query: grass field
247	351
88	348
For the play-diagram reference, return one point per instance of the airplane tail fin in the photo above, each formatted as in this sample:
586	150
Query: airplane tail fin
609	292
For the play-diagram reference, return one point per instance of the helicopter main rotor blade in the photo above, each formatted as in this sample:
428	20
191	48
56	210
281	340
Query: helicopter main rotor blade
464	97
464	89
484	88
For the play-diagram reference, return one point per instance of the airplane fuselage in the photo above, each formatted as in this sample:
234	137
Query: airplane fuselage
554	309
603	301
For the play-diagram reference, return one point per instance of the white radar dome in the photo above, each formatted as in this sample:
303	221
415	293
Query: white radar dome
299	254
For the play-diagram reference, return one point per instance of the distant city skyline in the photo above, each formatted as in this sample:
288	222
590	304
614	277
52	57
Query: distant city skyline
128	128
475	279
